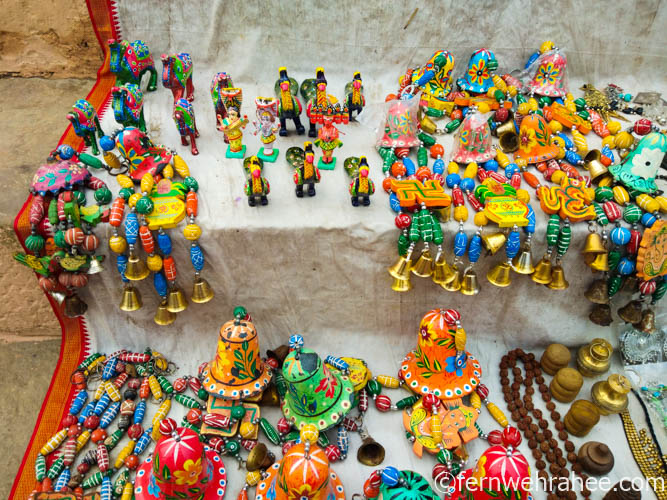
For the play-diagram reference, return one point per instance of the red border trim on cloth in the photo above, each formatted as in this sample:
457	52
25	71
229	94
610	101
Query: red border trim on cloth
75	341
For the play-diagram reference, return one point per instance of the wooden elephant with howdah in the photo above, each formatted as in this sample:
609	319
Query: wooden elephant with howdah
177	75
128	106
85	122
184	117
129	61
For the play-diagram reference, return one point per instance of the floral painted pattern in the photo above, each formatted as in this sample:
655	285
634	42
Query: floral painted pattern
427	336
547	74
527	139
328	384
153	488
190	473
455	364
478	73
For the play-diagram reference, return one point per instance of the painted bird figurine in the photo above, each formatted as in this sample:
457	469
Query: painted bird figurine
597	100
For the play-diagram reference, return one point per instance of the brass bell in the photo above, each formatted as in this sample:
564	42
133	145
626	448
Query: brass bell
595	167
522	263
401	269
601	315
470	284
131	300
630	284
611	395
558	281
593	246
647	323
443	273
95	266
136	269
270	397
492	242
163	316
509	141
506	127
455	284
598	292
74	306
260	458
594	358
201	291
600	263
424	265
401	285
370	452
542	274
631	312
176	301
499	275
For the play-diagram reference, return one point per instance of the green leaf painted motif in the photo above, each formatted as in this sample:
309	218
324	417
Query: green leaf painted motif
437	366
238	355
491	493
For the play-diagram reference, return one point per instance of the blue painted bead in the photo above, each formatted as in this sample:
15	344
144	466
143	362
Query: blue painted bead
559	100
164	242
160	284
627	97
337	363
533	57
460	244
102	404
390	476
606	151
63	479
467	184
139	412
648	219
131	228
626	266
452	180
197	257
87	411
65	151
573	157
510	169
512	244
438	166
620	235
530	228
394	204
296	341
409	165
144	441
491	166
109	368
342	440
121	265
78	402
109	414
475	248
465	110
425	78
107	143
568	142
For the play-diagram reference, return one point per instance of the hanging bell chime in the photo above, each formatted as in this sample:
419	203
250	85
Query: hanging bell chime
136	268
470	284
401	268
74	306
647	323
260	458
443	273
163	316
558	281
592	163
131	300
370	452
95	266
270	397
598	292
600	263
201	291
455	284
503	128
522	263
542	274
176	301
424	265
631	312
492	242
509	141
601	315
499	275
593	246
401	285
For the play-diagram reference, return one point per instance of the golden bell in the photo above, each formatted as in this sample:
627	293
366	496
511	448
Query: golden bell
401	285
647	323
443	273
598	292
558	281
136	269
601	315
600	263
176	301
401	269
522	263
201	291
163	316
260	458
509	141
455	284
595	167
631	312
499	275
594	358
131	300
470	284
74	306
542	274
611	395
270	397
370	452
424	265
593	247
492	242
94	267
506	127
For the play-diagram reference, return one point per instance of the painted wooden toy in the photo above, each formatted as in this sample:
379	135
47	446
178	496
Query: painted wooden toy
314	92
232	126
305	171
256	187
128	106
267	110
85	123
327	136
184	117
177	75
289	106
220	81
354	95
130	60
361	187
137	152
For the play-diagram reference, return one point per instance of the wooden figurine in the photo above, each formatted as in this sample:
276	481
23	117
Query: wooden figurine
184	117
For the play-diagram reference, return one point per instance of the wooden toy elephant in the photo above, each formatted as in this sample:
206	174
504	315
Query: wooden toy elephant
85	123
130	60
177	75
128	106
184	117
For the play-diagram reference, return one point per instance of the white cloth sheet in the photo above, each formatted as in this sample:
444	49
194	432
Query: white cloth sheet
316	266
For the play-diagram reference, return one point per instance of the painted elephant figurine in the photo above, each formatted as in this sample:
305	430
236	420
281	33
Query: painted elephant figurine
184	117
220	81
129	62
177	75
128	106
85	123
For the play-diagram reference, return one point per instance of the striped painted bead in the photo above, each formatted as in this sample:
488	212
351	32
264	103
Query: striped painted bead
109	369
553	228
612	210
513	243
56	468
337	363
53	442
109	414
632	213
626	266
460	244
187	401
92	481
635	239
78	402
600	216
40	467
343	440
82	439
69	451
603	193
564	239
62	481
647	287
131	228
620	235
102	404
143	441
621	195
